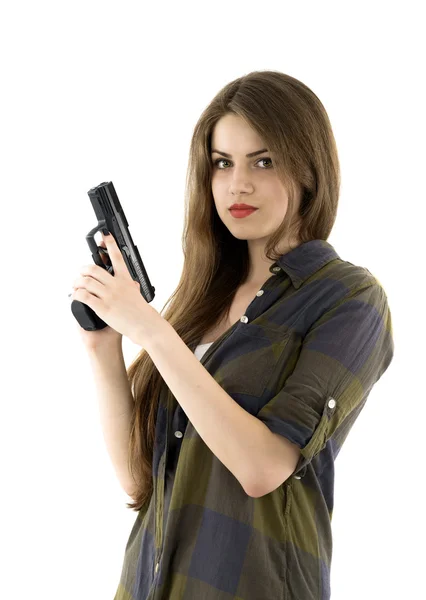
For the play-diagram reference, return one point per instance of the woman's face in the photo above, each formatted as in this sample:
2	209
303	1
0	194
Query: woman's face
249	180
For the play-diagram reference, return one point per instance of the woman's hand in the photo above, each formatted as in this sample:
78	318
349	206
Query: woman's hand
116	299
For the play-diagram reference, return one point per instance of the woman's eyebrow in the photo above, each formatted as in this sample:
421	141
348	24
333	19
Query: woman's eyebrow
247	155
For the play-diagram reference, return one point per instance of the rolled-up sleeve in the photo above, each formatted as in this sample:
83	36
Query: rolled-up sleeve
342	356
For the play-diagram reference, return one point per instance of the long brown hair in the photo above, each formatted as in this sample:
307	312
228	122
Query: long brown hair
294	125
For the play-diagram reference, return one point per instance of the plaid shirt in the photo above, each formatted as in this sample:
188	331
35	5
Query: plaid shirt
303	359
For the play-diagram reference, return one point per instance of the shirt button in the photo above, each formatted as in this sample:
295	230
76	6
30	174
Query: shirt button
244	319
259	293
332	403
276	269
178	434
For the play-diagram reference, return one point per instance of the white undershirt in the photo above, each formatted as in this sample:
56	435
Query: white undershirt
201	349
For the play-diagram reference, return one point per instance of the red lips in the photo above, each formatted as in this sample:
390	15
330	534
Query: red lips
242	207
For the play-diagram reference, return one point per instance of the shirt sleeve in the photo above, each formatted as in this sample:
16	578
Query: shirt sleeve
342	356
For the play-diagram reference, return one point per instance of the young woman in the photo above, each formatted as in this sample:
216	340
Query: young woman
273	344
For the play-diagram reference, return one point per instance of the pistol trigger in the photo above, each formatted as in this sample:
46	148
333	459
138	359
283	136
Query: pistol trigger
104	252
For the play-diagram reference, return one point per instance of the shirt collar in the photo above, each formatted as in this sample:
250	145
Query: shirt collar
303	261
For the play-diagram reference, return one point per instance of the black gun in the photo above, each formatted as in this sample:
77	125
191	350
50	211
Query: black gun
111	218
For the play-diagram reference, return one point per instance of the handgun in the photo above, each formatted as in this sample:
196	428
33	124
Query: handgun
111	218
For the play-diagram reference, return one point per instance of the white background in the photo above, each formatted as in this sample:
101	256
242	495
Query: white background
103	91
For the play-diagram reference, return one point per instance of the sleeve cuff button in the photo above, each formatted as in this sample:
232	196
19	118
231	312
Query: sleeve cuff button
331	402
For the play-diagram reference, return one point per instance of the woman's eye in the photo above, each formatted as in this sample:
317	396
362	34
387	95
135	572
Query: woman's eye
216	162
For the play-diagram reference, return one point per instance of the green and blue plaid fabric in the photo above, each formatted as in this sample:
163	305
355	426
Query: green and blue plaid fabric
303	359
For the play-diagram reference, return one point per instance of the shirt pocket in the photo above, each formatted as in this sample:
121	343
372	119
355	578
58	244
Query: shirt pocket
251	362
